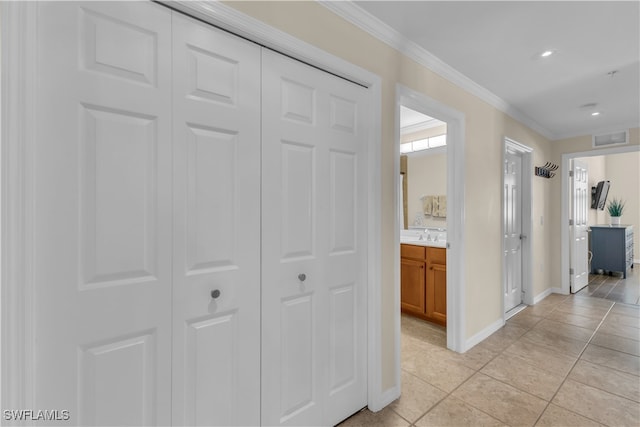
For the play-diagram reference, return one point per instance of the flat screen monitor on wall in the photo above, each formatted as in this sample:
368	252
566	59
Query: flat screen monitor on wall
599	195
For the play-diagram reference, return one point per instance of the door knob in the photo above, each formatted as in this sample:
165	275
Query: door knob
302	277
215	293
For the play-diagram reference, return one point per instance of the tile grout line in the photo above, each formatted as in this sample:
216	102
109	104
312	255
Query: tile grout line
554	308
477	371
499	353
573	366
450	394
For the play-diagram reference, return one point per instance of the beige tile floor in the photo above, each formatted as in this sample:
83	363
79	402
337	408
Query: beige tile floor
567	361
615	288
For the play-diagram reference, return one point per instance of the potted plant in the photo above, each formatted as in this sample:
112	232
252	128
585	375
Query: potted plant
615	208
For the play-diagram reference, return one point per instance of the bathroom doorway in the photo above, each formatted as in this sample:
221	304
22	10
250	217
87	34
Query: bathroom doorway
423	237
446	229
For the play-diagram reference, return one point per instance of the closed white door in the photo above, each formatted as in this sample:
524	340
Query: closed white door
216	250
579	226
313	245
512	229
102	238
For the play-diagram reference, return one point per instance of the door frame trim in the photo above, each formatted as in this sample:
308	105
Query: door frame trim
565	191
456	273
18	75
18	69
527	220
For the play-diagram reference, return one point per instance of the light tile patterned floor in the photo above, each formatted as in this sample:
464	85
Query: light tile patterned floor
615	288
567	361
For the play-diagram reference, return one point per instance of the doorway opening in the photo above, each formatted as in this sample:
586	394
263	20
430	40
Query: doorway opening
618	166
442	234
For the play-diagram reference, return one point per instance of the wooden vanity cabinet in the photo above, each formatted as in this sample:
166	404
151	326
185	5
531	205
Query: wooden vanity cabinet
423	282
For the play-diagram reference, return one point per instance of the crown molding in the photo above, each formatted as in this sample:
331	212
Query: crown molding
383	32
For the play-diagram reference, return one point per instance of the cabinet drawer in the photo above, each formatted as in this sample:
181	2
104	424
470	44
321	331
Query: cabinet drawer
437	256
412	251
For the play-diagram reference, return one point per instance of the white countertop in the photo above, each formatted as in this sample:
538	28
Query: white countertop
436	238
439	244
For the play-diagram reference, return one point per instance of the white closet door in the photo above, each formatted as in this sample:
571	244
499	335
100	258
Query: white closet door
512	229
313	245
216	351
102	238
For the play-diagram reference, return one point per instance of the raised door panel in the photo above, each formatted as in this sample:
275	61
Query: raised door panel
117	382
313	245
216	224
102	238
412	286
212	359
118	168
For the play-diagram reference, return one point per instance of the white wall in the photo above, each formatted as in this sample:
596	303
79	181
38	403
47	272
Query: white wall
623	170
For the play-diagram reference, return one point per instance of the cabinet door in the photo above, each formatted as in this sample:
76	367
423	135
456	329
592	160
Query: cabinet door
437	291
436	285
412	286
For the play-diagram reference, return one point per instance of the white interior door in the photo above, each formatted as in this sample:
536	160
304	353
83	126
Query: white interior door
579	226
512	229
313	245
216	147
102	238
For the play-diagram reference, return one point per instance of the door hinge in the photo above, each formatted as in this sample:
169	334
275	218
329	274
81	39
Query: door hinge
571	271
570	222
570	173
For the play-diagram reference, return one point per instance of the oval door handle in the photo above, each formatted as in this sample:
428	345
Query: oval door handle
302	277
215	293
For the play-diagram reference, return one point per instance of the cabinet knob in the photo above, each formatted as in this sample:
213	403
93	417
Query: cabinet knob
215	293
431	268
302	277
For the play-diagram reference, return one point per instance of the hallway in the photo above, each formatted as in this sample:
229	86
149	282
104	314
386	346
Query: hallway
567	361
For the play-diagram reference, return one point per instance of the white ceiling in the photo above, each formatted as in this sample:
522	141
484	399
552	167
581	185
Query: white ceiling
495	45
414	121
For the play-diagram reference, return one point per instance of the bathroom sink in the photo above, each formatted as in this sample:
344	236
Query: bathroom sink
430	237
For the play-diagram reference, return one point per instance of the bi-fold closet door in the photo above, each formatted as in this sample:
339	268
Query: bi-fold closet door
184	179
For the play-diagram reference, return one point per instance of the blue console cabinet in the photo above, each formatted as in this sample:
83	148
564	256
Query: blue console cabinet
612	248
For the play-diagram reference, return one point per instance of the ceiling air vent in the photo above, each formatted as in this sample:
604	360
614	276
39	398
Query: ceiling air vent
611	138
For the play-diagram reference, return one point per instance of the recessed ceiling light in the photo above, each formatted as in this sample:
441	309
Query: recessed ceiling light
547	53
595	113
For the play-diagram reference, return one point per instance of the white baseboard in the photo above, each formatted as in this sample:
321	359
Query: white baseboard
483	334
546	293
388	396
